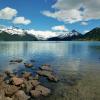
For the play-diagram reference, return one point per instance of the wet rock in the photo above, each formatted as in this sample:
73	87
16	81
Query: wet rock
9	74
44	91
31	84
10	90
46	67
48	74
35	82
17	81
53	78
40	91
16	61
35	93
20	95
26	75
28	65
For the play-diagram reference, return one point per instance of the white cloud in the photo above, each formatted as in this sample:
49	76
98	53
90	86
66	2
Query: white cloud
69	16
7	13
21	20
75	10
59	28
84	23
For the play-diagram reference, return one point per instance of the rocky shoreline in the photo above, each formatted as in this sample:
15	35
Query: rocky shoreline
26	85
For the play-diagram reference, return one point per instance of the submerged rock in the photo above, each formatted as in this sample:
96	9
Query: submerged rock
16	61
48	74
20	95
44	91
17	81
46	67
28	65
40	91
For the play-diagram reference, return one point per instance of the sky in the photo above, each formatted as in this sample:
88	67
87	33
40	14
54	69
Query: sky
51	15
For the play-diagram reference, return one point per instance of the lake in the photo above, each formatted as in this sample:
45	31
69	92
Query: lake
80	60
61	55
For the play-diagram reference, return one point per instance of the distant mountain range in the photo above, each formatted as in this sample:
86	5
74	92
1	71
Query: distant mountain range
22	35
93	35
74	35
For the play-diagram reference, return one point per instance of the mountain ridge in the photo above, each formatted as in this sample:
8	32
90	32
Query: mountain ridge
23	35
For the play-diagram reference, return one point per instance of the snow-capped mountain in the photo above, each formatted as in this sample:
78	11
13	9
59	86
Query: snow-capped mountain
40	35
13	30
67	36
15	34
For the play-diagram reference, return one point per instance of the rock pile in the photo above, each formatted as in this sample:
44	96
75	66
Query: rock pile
25	86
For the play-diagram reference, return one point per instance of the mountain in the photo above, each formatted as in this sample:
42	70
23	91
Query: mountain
16	34
74	35
93	35
12	35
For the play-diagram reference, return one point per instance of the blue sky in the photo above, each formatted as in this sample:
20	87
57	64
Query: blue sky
45	14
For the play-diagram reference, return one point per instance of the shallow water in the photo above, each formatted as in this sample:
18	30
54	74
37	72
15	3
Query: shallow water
72	61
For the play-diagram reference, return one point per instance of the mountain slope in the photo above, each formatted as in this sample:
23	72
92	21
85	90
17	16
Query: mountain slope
93	35
4	36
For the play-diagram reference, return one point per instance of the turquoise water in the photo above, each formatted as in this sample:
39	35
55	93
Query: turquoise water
72	55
